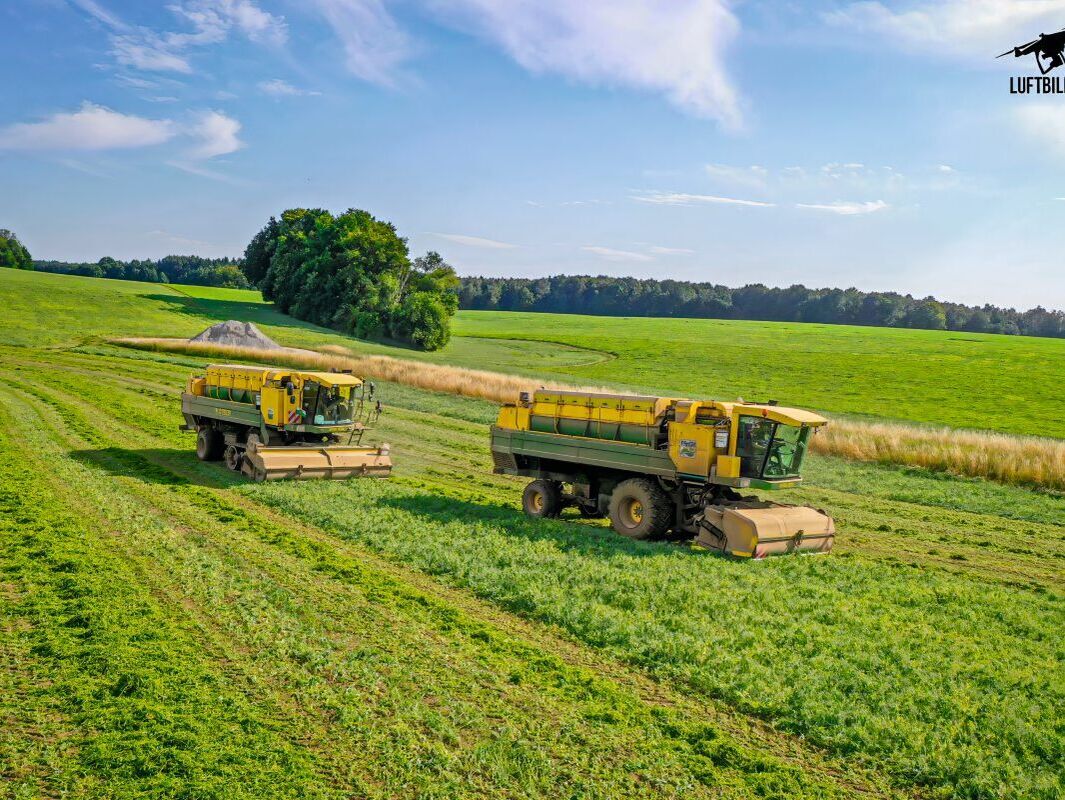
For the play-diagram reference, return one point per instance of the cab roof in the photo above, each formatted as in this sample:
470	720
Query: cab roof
789	416
331	378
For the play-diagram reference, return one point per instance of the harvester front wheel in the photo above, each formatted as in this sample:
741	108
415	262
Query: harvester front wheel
542	499
233	457
639	509
208	444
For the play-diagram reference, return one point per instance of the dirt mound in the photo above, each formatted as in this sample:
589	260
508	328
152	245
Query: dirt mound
234	333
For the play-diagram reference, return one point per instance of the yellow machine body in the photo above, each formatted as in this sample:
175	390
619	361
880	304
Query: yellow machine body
692	454
275	422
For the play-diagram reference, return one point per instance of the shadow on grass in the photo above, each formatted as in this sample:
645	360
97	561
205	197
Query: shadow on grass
259	313
574	534
160	466
222	310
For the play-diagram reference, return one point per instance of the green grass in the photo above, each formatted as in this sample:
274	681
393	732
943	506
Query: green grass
169	629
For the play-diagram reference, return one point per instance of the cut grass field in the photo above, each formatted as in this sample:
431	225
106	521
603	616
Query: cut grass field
170	629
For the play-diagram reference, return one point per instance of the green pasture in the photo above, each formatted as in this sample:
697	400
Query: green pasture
168	629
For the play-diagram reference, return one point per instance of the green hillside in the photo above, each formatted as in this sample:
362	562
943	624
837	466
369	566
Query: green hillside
1005	383
168	629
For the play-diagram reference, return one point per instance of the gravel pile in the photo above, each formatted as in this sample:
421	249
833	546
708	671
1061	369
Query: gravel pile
237	334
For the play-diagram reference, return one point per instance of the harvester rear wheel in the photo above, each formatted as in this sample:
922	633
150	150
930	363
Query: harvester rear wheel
542	499
208	444
639	509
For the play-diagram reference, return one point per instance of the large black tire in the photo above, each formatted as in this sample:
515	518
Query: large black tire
542	499
209	444
639	509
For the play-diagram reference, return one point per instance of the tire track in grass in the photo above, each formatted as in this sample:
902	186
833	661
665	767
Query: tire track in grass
357	491
678	742
147	716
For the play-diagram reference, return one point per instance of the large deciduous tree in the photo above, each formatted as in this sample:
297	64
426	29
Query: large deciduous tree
353	272
13	254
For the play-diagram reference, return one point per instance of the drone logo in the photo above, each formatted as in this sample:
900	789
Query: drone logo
1049	50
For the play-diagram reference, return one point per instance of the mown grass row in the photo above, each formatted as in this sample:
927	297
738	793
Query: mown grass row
937	679
143	712
364	684
1020	460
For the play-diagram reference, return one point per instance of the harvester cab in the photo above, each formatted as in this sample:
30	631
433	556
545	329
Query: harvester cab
271	422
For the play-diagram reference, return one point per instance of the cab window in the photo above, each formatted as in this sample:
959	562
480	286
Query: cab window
786	452
752	444
334	406
769	449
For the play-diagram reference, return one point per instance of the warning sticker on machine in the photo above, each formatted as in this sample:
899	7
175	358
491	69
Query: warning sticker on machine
687	448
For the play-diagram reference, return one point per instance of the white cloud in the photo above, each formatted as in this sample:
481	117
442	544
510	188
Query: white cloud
148	52
1044	124
610	254
91	127
753	175
476	241
676	48
218	135
684	199
374	45
846	209
212	20
95	10
671	251
279	88
945	169
977	27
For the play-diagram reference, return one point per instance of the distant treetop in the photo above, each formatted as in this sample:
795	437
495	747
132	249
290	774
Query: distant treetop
13	254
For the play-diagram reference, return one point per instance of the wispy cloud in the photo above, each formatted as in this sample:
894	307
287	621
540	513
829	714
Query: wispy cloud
375	47
217	135
754	175
610	254
100	14
142	48
476	241
279	88
676	49
685	199
671	251
148	52
976	27
203	172
847	209
91	127
80	166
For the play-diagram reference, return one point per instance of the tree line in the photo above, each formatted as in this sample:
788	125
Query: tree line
354	273
194	270
608	296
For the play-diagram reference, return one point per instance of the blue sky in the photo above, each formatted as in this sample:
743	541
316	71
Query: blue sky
841	144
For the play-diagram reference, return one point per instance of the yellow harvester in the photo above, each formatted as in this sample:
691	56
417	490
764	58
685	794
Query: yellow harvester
277	422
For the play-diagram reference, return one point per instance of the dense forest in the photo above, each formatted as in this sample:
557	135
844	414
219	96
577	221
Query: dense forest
171	269
608	296
354	273
13	254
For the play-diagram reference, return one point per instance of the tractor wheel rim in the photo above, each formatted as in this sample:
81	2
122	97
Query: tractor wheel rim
635	512
538	501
